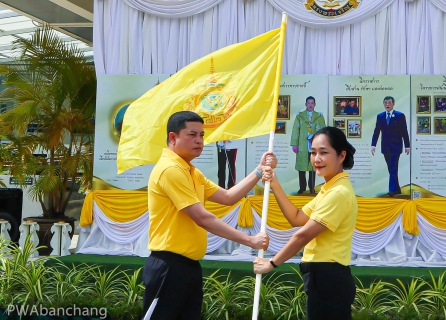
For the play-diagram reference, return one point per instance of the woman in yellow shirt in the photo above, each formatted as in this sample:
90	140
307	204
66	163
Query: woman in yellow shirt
328	222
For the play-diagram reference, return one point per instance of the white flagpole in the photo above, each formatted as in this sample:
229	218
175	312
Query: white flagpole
255	311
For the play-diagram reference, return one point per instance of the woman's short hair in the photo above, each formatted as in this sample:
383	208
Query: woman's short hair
338	141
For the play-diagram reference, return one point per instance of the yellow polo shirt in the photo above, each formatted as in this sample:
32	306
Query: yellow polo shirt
335	207
173	185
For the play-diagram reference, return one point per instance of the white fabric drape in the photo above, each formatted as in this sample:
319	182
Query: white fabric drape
278	238
370	243
432	237
398	38
172	8
296	11
390	246
440	4
121	232
215	242
95	242
294	8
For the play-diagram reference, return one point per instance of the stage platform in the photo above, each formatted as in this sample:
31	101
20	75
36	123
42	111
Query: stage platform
239	270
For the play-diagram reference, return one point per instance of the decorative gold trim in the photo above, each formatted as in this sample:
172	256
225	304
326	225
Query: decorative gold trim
354	3
309	4
100	184
331	5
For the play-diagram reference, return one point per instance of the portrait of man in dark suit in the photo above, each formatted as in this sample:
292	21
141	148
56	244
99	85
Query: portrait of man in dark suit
352	108
392	124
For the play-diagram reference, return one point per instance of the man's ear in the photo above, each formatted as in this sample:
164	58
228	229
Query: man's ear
172	138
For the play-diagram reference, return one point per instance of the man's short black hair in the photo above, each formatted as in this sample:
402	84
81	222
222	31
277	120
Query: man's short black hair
389	98
310	98
177	121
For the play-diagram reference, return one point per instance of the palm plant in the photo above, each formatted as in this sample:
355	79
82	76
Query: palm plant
54	89
438	290
411	301
21	280
68	283
129	305
373	299
222	298
272	303
5	279
133	288
32	283
107	286
296	299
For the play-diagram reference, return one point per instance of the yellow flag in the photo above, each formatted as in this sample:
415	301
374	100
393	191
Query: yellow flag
234	90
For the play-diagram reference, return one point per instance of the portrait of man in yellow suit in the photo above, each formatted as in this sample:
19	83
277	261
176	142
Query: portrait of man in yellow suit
306	124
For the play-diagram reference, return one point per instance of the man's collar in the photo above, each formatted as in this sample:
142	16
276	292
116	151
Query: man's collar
174	156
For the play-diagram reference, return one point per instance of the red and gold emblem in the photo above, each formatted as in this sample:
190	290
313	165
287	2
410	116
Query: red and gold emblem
331	8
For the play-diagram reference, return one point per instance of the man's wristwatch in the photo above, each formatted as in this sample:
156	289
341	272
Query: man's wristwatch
272	263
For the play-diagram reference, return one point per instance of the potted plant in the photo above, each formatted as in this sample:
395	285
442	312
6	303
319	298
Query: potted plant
51	127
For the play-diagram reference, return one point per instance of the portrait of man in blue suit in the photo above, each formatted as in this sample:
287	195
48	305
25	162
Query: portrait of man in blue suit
393	127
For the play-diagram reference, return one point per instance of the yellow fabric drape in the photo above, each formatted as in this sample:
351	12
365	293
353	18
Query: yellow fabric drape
245	216
124	206
276	219
410	222
433	210
87	211
219	210
117	205
374	214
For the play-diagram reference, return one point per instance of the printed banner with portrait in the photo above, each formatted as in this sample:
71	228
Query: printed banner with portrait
294	127
354	104
381	138
428	95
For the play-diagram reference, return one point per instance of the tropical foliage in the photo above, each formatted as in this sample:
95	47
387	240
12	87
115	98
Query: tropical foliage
54	90
26	282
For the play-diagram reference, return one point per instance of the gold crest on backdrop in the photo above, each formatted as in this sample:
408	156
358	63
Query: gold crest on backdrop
331	8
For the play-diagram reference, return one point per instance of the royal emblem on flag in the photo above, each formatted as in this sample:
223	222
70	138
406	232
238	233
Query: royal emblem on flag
331	8
214	101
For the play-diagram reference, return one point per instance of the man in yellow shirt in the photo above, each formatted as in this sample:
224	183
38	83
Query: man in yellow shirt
179	222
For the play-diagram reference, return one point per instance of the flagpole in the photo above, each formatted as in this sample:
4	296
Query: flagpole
258	284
